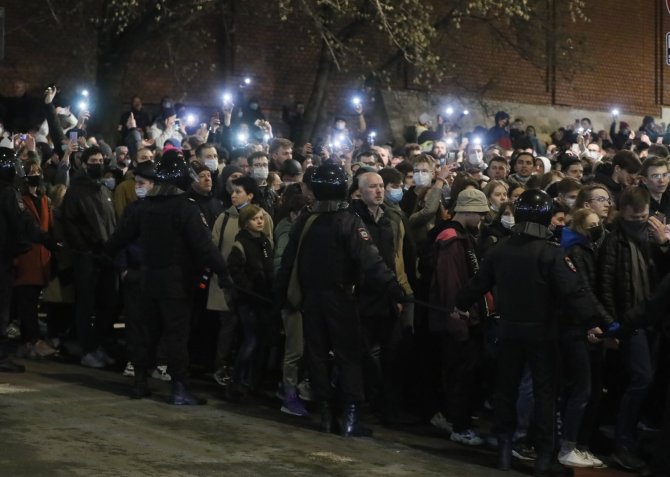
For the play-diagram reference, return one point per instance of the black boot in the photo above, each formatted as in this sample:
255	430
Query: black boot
182	397
504	452
349	425
140	387
326	411
547	466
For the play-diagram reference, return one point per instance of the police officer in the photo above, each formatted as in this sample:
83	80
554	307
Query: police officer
328	249
17	231
176	244
533	279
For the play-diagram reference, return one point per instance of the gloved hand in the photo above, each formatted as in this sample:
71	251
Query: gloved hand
225	281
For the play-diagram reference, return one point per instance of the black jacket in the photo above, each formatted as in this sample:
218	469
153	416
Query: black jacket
17	228
253	269
370	301
88	215
210	206
615	273
533	279
334	252
175	242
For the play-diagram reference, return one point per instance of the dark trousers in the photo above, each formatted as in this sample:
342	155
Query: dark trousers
226	336
460	363
95	292
542	358
638	366
5	296
247	364
25	300
167	314
576	363
590	421
661	460
383	357
330	321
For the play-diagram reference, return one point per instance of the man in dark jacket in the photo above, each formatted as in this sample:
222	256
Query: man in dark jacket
88	222
627	276
379	315
176	245
330	238
528	321
461	341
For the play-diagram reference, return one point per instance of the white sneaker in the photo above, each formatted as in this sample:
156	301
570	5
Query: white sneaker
439	421
597	463
161	373
129	370
574	458
467	437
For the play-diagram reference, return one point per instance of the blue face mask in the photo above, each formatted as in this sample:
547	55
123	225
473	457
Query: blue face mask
395	195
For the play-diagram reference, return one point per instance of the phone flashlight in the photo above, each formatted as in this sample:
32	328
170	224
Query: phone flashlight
449	111
477	140
190	119
266	137
83	105
84	93
227	98
615	112
449	141
356	101
580	130
465	112
247	80
373	134
242	138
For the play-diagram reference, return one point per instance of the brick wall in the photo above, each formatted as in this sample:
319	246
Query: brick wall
622	61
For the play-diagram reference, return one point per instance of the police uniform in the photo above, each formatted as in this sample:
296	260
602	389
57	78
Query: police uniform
334	251
176	244
534	279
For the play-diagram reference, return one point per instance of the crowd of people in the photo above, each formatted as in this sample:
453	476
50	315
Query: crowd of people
462	273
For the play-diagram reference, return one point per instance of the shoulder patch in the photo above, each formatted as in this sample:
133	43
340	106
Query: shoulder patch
570	265
363	233
447	234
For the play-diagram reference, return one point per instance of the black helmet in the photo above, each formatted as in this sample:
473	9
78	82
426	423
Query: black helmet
534	205
7	164
171	168
329	182
291	167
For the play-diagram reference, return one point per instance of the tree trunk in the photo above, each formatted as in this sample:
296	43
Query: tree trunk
109	77
316	99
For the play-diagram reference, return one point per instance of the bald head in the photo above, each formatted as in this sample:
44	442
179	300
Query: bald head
371	186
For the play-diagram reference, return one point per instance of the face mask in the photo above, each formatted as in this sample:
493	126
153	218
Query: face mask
422	178
253	106
339	126
474	159
507	221
570	202
211	164
141	192
121	163
33	181
558	231
494	208
596	233
635	229
594	155
259	173
395	195
94	171
109	182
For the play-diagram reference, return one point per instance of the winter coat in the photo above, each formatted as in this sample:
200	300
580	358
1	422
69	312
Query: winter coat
224	238
251	267
32	267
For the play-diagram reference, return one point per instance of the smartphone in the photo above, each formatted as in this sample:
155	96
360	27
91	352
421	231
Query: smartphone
74	136
23	137
660	216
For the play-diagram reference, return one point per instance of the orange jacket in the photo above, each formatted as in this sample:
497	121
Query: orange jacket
32	267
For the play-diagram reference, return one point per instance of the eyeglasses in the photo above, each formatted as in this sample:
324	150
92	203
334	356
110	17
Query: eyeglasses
600	199
658	177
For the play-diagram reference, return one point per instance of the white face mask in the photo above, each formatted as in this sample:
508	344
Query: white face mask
570	202
594	155
141	192
422	178
507	221
109	182
211	164
494	208
475	158
259	173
